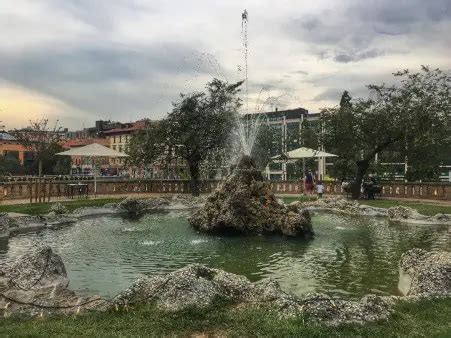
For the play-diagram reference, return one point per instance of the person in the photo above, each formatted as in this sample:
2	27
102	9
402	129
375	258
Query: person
308	184
320	189
371	187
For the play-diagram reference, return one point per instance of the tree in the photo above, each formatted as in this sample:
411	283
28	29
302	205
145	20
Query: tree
198	129
44	142
404	118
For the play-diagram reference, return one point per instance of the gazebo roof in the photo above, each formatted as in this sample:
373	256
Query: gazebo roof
93	150
303	152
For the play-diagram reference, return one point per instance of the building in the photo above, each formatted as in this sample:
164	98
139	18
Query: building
119	138
97	131
286	127
11	149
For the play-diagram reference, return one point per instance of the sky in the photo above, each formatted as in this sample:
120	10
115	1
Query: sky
78	61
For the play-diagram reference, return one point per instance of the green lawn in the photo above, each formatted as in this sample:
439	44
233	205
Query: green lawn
427	208
43	208
427	318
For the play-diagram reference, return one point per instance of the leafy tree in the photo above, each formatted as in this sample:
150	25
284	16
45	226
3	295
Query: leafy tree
43	141
197	129
405	117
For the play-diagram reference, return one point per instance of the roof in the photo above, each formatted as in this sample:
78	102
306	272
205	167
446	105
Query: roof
93	150
288	113
6	136
303	152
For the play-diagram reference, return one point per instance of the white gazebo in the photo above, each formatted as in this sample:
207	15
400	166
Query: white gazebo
305	153
93	151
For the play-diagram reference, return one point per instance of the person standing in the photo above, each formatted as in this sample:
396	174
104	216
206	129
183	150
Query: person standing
308	184
320	189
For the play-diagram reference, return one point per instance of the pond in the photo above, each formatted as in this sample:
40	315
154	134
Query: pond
349	256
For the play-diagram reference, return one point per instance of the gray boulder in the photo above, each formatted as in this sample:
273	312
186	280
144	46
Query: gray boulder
245	203
36	284
58	209
134	205
333	311
197	286
425	273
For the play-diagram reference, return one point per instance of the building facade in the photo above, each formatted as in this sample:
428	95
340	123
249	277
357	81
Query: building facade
286	127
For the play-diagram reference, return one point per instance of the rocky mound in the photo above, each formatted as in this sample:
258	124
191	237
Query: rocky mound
425	273
199	286
324	308
408	215
37	283
341	205
245	203
134	205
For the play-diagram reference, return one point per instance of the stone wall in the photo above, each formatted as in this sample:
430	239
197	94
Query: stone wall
58	189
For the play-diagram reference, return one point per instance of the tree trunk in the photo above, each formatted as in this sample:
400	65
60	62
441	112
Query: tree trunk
362	167
195	173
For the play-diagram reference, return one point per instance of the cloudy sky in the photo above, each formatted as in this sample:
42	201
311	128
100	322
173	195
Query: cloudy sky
83	60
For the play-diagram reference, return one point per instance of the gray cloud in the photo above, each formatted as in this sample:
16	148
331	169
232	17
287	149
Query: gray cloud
347	33
345	58
127	59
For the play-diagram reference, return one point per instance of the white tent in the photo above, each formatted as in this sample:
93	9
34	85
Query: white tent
93	151
303	153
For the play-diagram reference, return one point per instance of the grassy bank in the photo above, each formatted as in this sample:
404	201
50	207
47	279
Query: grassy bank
425	318
425	208
43	208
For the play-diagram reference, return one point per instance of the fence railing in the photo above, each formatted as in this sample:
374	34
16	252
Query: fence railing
47	189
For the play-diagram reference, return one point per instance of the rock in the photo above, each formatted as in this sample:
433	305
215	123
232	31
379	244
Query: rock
199	286
135	205
323	308
425	273
245	203
341	205
58	209
400	212
36	283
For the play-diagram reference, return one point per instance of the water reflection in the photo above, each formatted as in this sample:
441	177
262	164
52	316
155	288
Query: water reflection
349	256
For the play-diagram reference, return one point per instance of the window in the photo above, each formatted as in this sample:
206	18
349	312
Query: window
114	147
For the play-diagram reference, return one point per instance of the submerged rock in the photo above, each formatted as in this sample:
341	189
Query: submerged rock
245	203
341	205
425	273
135	205
58	209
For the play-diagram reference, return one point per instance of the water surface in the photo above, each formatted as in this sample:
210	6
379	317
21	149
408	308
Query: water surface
349	256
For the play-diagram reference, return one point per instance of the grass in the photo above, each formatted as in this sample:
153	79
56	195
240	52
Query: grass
425	318
427	208
43	208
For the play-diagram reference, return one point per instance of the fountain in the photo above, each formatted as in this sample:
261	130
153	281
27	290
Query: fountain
245	203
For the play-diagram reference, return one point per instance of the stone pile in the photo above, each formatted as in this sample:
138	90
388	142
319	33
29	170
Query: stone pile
245	203
425	273
37	284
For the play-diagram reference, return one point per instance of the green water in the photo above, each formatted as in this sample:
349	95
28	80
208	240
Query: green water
349	256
